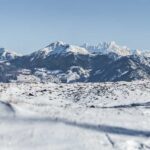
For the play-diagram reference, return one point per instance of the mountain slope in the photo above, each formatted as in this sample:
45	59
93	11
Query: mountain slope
58	48
62	62
6	55
124	69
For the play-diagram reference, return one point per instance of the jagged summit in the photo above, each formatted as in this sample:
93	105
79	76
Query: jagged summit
57	43
112	47
108	47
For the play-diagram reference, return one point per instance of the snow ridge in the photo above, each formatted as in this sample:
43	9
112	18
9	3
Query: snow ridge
112	47
60	47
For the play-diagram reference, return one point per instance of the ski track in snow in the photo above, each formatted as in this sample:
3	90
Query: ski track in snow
75	116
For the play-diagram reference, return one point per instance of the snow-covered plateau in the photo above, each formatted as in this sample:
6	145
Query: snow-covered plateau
75	116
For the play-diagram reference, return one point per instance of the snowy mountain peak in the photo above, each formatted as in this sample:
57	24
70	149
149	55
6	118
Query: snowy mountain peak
60	47
57	43
7	55
137	52
108	47
52	47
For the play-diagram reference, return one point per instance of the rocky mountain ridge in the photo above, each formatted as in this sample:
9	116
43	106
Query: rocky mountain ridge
61	62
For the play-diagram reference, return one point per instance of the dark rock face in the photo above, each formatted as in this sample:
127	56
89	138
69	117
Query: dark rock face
102	67
124	69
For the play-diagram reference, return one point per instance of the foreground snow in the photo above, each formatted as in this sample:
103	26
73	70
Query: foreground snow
75	116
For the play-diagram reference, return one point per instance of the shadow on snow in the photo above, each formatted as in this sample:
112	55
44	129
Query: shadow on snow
99	128
132	105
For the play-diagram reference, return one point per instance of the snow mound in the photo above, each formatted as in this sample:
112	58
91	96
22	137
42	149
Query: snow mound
6	109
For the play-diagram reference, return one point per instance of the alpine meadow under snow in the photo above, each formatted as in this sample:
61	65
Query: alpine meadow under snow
67	97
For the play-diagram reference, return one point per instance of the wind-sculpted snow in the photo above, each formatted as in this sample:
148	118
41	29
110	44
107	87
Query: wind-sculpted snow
74	116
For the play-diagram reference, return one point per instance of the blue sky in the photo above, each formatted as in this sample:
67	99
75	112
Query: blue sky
28	25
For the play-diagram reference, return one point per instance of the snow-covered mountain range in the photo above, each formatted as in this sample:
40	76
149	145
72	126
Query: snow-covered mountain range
106	48
112	47
61	62
109	115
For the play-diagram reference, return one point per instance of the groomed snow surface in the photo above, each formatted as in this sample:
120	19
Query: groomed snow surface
79	116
